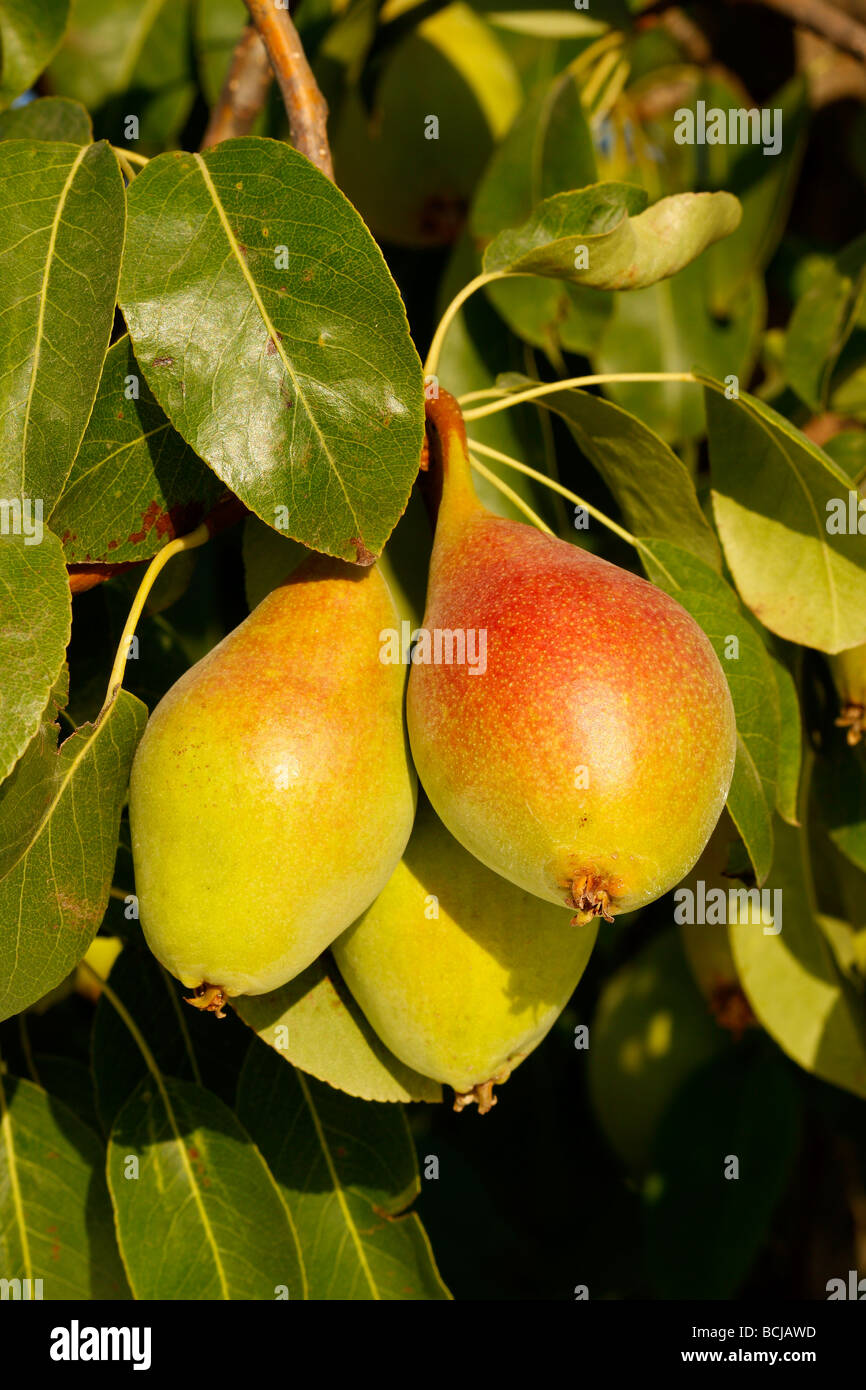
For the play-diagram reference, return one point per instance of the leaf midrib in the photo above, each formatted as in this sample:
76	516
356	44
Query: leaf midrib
275	335
43	297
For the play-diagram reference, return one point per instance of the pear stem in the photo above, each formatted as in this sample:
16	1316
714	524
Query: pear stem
507	491
195	538
555	487
451	313
548	388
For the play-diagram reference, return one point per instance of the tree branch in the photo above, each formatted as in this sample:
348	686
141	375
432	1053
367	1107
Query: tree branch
306	107
244	91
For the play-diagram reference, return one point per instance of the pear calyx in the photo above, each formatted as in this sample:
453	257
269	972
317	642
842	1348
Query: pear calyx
591	896
211	999
852	717
480	1095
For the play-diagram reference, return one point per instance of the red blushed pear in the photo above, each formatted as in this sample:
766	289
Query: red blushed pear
589	756
272	796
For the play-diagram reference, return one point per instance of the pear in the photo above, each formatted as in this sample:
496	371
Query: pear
460	973
272	795
849	676
569	721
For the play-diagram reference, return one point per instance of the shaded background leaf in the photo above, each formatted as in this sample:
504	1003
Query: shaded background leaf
347	1169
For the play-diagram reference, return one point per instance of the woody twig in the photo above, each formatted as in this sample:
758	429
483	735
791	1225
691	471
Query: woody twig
305	106
244	91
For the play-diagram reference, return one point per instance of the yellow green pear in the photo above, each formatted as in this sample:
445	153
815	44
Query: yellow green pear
271	795
460	972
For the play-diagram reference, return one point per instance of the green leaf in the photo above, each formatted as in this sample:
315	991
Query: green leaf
771	489
705	1226
198	1216
347	1170
764	185
548	150
185	1043
792	981
314	1023
48	118
651	485
29	35
129	48
217	26
61	238
822	322
670	327
59	814
135	484
840	786
790	759
55	1217
35	624
410	181
749	673
299	386
628	245
546	24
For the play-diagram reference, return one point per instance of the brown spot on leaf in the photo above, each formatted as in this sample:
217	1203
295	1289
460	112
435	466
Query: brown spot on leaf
286	397
272	347
112	545
362	554
163	362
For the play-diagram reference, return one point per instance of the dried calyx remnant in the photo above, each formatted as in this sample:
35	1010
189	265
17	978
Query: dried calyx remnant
590	896
210	999
852	717
480	1095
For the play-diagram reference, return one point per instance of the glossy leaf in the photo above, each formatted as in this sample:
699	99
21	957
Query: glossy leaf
198	1214
48	118
299	386
771	489
29	34
59	813
55	1216
135	484
650	484
347	1170
629	246
747	667
35	623
61	238
792	981
314	1023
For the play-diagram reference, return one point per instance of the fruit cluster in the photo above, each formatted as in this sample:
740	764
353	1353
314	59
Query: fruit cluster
577	774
